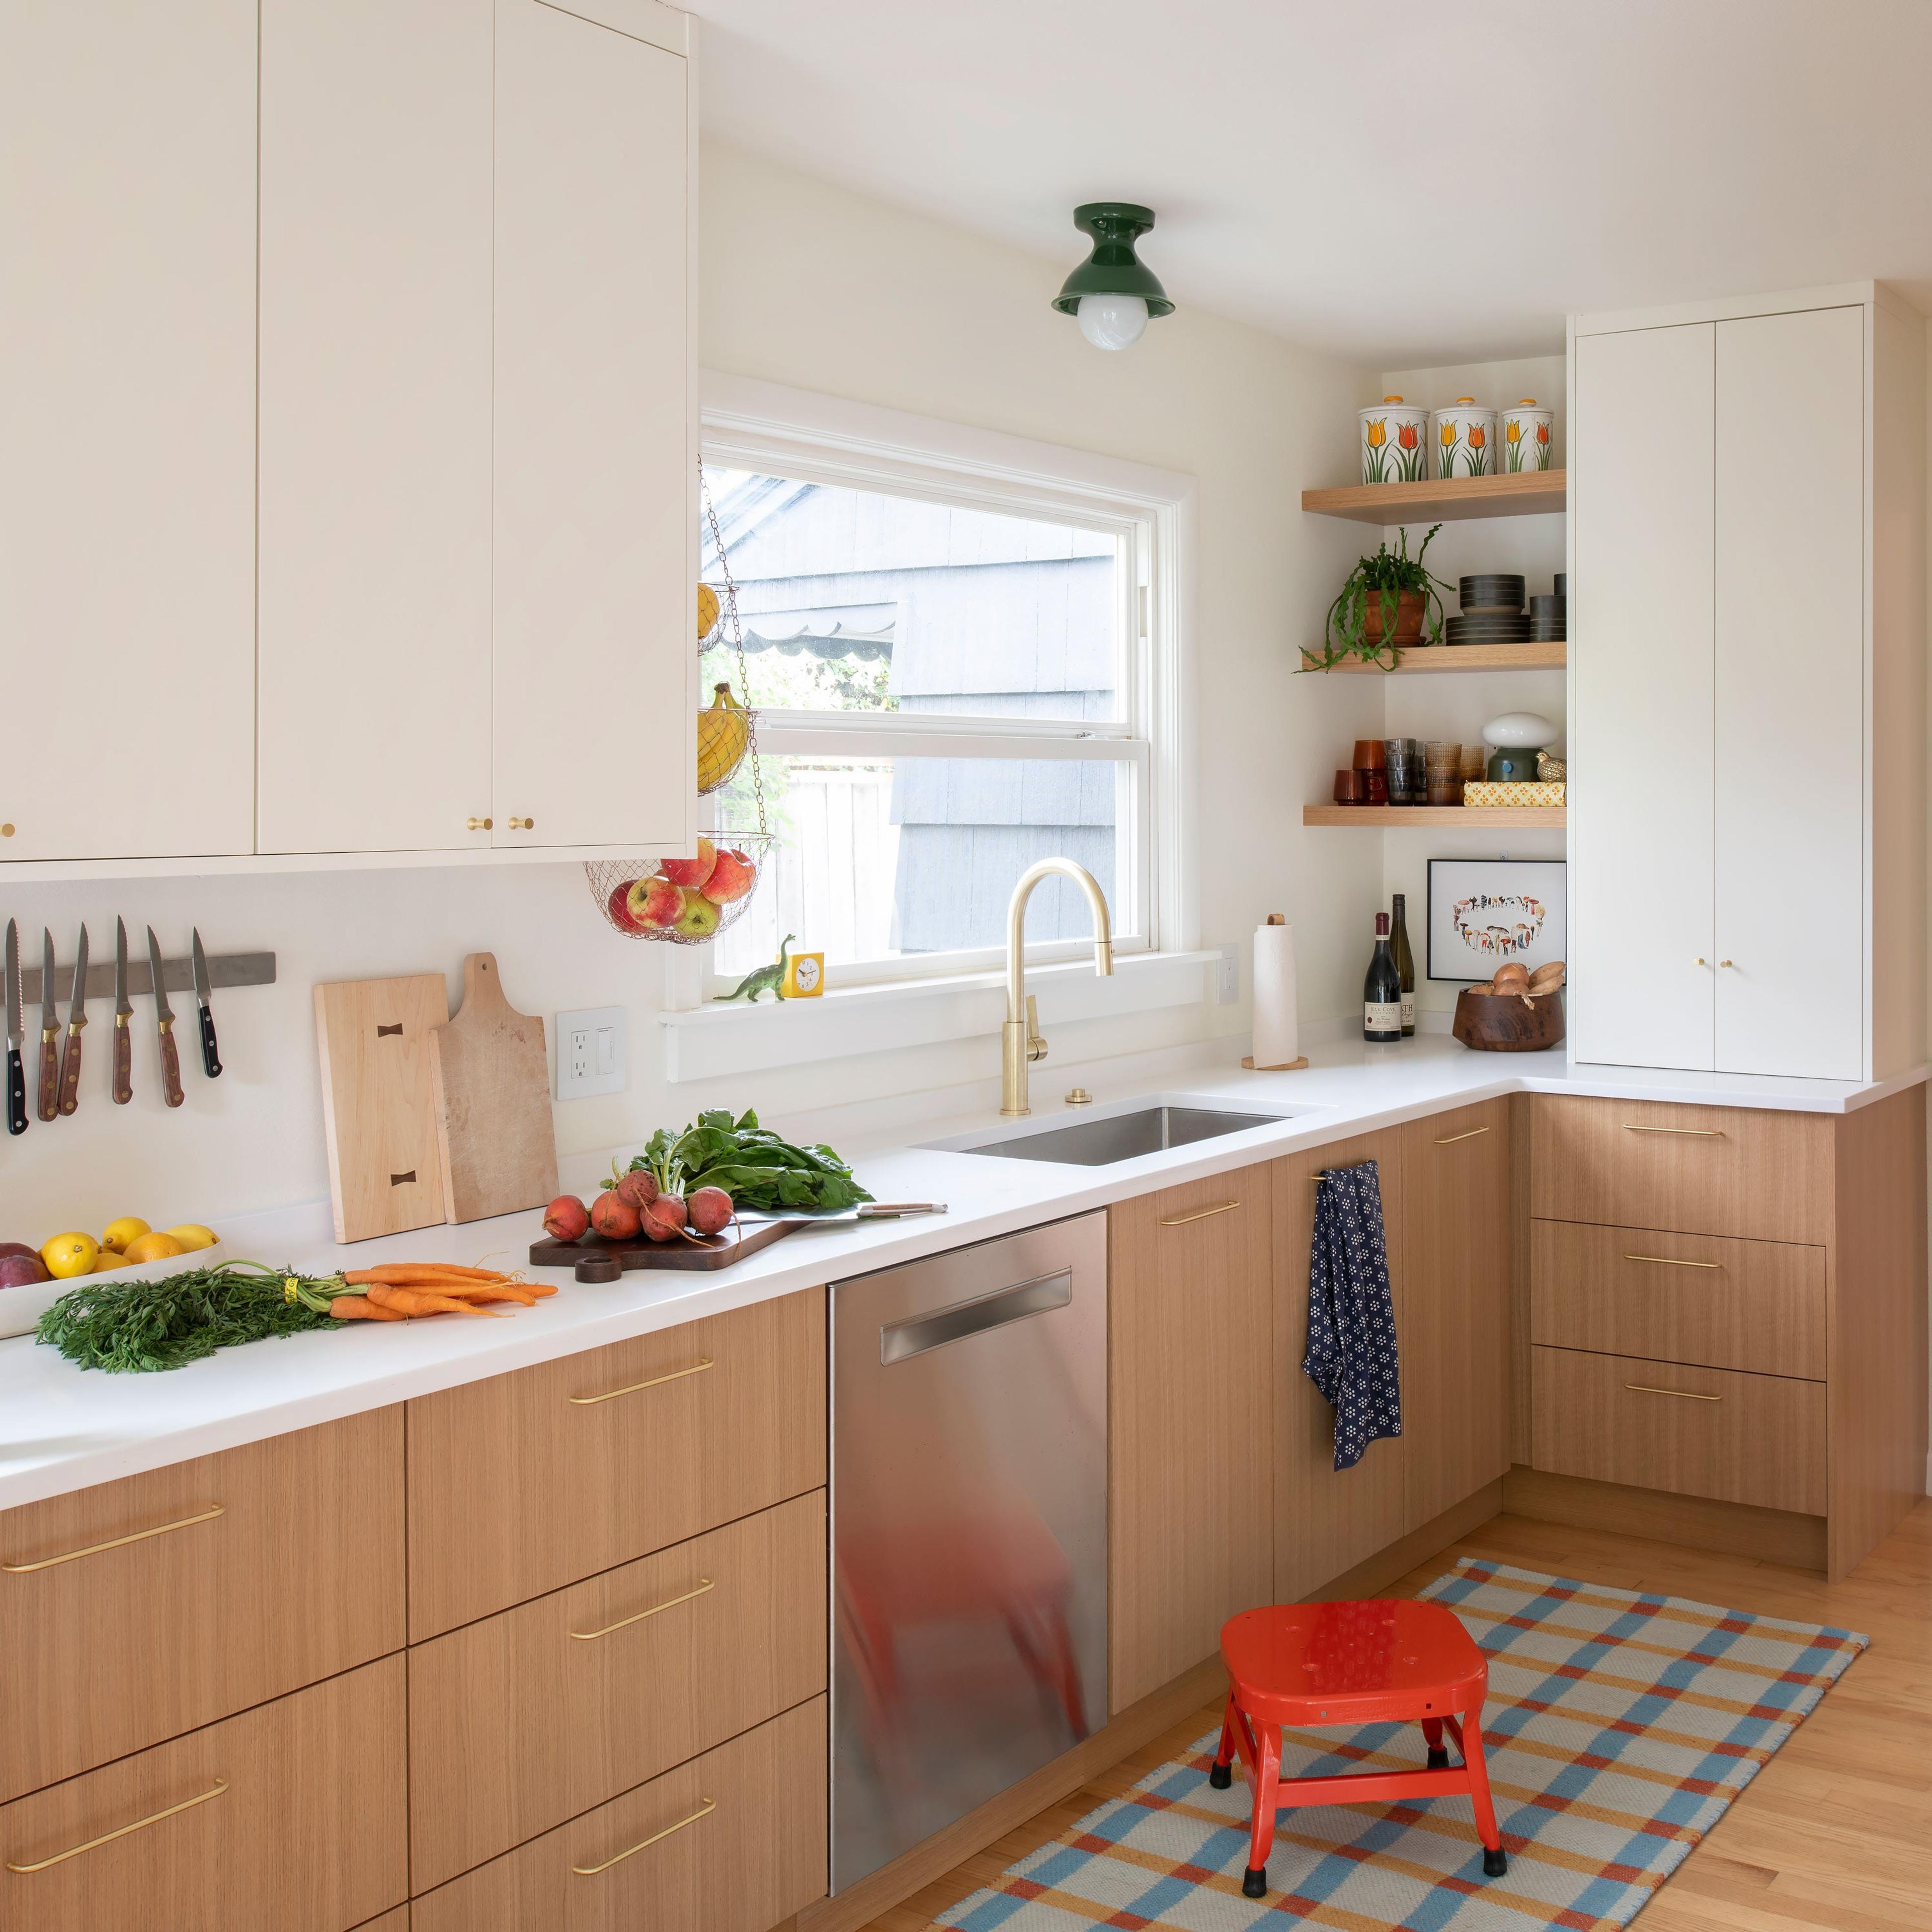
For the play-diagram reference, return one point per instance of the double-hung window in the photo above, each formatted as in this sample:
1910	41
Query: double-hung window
960	666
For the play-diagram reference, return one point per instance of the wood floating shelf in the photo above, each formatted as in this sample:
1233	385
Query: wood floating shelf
1415	658
1434	815
1529	493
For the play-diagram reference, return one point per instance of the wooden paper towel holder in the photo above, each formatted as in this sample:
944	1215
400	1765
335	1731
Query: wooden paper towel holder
1285	1066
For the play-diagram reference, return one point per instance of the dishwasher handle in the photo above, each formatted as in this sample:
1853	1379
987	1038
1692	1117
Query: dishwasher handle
900	1341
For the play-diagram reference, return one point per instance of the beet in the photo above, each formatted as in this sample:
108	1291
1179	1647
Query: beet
21	1270
710	1210
663	1218
566	1218
614	1218
639	1187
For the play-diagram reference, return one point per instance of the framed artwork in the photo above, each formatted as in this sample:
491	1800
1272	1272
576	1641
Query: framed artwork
1483	913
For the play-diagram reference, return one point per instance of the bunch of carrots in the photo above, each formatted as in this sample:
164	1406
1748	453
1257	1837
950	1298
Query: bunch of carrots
398	1290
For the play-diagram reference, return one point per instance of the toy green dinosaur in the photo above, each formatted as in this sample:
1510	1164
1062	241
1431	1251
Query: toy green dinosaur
764	978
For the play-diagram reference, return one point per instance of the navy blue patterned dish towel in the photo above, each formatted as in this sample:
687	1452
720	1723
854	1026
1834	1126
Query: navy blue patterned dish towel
1351	1348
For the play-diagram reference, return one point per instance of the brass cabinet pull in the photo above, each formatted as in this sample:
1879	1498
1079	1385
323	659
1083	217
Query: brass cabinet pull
697	1368
705	1807
479	824
108	1838
1449	1140
1671	1261
523	824
94	1548
1182	1220
670	1603
1682	1395
1696	1133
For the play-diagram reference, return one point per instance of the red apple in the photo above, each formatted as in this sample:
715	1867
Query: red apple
654	903
639	1187
620	911
566	1218
692	872
663	1218
710	1209
614	1218
731	878
697	918
21	1270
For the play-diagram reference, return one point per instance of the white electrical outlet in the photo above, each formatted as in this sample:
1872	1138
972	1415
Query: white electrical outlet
590	1056
1227	976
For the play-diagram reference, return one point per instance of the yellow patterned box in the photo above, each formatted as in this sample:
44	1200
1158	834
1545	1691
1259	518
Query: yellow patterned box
1481	791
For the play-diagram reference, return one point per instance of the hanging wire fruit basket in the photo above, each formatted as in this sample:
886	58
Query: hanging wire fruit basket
690	901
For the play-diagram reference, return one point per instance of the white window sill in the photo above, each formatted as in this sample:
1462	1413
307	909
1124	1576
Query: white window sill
717	1039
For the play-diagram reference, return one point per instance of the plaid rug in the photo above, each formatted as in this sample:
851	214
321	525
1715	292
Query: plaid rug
1619	1727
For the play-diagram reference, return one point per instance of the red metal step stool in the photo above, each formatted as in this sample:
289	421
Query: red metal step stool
1314	1664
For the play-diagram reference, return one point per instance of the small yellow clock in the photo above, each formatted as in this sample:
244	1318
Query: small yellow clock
805	976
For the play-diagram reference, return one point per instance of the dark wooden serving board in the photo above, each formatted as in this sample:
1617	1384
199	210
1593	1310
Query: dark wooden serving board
596	1259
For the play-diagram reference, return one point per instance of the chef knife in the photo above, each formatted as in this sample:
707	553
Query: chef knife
49	1088
124	1011
77	1018
17	1071
211	1057
164	1021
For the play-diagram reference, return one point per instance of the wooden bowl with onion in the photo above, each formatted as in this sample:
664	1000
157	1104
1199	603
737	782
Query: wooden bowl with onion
1518	1011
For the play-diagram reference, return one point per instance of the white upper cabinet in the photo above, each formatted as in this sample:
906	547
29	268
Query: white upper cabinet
127	427
596	665
375	396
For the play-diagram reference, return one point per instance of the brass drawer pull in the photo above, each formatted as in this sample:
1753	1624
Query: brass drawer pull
1683	1395
1695	1133
1671	1261
705	1807
139	1824
697	1368
1450	1140
94	1548
670	1603
1182	1220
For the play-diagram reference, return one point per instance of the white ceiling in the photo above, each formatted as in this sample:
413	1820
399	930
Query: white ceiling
1404	182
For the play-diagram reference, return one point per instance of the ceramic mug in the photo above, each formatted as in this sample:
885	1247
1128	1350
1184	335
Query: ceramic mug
1526	433
1465	439
1395	442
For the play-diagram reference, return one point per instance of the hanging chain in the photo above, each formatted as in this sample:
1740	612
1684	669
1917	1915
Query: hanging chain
736	632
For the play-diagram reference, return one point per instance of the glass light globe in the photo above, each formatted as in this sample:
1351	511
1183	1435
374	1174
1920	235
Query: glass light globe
1112	322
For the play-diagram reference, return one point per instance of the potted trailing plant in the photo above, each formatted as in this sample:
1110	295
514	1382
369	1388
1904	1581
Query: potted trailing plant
1384	603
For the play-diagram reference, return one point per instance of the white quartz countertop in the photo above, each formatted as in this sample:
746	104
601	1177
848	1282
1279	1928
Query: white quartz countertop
63	1428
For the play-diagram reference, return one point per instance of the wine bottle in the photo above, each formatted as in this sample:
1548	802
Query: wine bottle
1405	965
1381	990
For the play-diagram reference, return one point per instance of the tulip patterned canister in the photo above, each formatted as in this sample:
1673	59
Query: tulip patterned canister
1525	436
1465	439
1395	442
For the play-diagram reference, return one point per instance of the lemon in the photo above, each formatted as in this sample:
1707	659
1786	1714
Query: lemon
118	1234
67	1256
192	1236
107	1258
152	1248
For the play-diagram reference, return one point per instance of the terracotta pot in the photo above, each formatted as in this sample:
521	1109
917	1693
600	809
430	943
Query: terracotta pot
1410	607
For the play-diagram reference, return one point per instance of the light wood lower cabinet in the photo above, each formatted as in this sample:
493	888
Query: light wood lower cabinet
397	1920
137	1610
614	1452
529	1717
292	1815
1454	1339
1190	1528
1326	1521
1758	1439
733	1841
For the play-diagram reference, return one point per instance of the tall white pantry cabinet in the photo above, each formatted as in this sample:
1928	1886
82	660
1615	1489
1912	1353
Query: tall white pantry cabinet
347	368
1748	718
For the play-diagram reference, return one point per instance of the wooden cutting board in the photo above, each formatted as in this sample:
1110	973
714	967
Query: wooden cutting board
492	1085
385	1162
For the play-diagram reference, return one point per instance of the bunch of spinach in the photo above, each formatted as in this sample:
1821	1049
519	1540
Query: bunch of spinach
752	1164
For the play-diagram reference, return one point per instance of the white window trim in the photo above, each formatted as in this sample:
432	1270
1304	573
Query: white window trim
748	424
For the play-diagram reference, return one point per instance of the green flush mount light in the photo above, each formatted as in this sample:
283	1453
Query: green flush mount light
1112	293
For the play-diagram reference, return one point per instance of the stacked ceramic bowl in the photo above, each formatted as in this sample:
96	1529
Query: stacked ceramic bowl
1492	612
1549	616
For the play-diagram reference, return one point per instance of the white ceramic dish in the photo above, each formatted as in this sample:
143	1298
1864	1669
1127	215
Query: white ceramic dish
21	1308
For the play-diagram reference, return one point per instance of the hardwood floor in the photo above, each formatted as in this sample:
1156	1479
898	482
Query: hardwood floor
1835	1832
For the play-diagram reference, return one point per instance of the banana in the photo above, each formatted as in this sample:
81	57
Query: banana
724	735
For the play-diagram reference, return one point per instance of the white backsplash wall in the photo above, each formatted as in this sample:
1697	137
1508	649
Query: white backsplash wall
806	284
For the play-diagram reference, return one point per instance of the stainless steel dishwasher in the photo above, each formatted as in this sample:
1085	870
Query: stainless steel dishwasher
969	1532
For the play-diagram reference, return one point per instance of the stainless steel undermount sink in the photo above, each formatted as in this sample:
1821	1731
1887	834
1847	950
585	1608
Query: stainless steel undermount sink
1124	1133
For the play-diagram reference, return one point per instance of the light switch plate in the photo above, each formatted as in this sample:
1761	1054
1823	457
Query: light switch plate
591	1052
1227	976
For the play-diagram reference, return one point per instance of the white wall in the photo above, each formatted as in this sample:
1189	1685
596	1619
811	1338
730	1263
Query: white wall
805	284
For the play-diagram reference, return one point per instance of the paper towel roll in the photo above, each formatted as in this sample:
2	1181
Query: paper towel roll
1277	1034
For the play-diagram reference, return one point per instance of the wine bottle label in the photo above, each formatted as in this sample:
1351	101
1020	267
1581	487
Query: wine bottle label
1381	1016
1408	1012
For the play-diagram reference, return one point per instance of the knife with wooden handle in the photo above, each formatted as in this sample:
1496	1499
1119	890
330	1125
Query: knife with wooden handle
50	1095
164	1021
123	1012
77	1018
